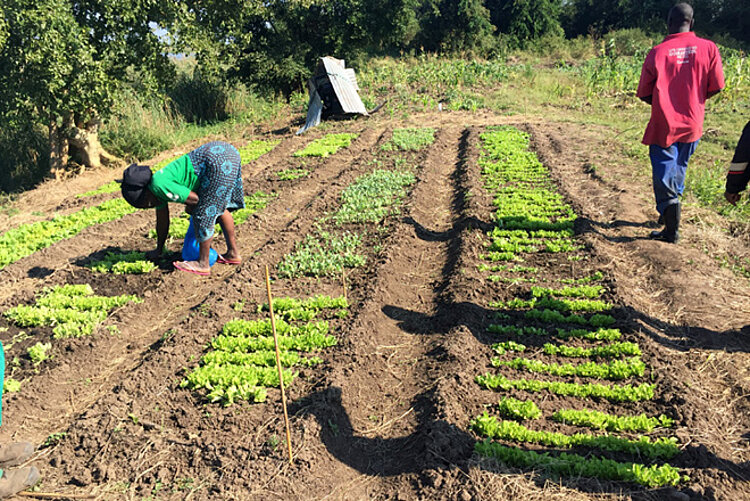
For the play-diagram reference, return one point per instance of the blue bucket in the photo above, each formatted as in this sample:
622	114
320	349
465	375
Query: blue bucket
191	248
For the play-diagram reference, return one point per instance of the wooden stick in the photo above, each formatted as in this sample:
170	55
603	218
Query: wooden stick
343	279
54	495
278	366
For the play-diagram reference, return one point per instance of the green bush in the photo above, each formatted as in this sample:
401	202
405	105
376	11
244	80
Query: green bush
24	154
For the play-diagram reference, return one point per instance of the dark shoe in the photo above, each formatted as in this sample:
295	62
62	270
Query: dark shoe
15	453
671	232
15	481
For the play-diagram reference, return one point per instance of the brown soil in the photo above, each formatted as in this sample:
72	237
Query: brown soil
387	415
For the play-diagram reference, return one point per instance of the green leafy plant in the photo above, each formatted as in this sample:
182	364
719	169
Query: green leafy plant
134	263
597	335
38	352
54	438
12	385
660	448
613	350
241	361
613	393
585	280
553	316
585	291
327	145
512	408
29	238
410	139
324	254
291	174
256	149
506	346
573	465
580	305
73	310
614	369
603	421
373	196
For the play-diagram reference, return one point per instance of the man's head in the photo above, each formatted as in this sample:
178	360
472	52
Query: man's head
680	18
134	186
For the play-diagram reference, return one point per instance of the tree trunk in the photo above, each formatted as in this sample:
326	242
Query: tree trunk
84	139
58	150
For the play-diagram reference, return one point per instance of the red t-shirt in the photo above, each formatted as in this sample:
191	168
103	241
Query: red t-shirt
678	74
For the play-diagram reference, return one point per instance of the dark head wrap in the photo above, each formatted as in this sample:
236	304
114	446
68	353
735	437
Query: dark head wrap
134	187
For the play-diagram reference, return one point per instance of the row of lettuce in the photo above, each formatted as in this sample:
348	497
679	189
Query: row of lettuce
562	333
239	362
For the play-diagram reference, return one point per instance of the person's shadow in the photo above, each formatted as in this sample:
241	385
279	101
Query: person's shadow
437	444
434	444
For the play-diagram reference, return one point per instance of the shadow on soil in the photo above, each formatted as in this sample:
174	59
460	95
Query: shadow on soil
586	225
442	446
685	337
164	262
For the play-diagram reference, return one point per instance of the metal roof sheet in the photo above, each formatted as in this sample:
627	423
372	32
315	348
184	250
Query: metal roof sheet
344	85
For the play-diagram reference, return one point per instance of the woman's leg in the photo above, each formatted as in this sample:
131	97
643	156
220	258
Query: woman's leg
204	254
226	221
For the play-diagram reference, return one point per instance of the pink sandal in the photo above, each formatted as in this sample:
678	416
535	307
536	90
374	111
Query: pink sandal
221	259
191	267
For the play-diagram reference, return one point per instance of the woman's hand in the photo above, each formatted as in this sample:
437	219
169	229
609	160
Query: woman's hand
732	198
154	255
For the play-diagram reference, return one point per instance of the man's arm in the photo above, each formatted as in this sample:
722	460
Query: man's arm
712	93
647	82
739	174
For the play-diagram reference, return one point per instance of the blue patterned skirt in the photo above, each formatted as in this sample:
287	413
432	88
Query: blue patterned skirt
219	169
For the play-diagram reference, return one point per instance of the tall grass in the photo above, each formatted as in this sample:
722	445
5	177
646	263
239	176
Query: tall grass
141	130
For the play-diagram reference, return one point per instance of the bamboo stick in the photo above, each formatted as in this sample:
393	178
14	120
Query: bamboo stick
54	495
278	366
343	279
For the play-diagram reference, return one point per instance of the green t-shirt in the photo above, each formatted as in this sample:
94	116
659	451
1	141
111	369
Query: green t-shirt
174	181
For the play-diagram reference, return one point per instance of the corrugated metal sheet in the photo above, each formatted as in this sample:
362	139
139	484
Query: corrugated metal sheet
314	109
344	85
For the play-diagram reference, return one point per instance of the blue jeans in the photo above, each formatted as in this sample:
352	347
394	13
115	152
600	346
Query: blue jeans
668	166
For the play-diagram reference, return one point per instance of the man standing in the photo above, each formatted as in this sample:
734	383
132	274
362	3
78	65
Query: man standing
677	78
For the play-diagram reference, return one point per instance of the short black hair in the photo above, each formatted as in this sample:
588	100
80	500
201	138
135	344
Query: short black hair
680	14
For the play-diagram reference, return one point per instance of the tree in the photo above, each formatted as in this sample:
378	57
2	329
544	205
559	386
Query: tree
278	45
454	25
581	17
526	20
64	62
